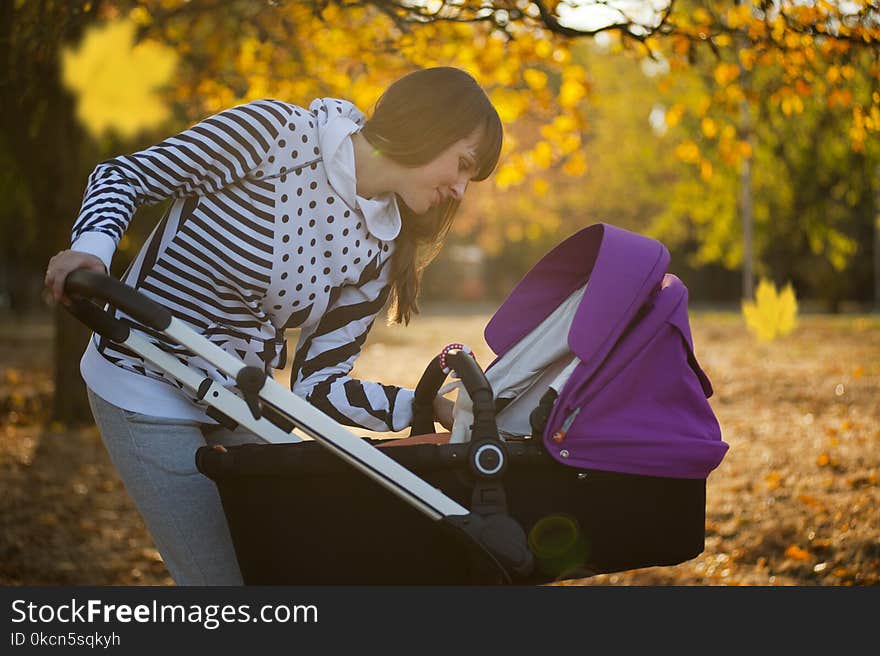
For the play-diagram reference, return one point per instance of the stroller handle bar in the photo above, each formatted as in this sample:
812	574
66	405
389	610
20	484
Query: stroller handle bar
90	284
473	378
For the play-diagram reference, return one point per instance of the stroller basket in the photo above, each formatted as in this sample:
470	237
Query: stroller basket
330	524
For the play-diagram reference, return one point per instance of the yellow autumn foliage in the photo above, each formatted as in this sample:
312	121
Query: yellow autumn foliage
773	313
536	79
116	81
709	127
296	52
792	105
688	151
352	53
540	186
576	165
674	114
726	73
509	103
738	16
747	58
571	93
706	169
542	155
510	173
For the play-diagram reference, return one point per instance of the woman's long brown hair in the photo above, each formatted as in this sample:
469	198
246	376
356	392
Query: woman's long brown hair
417	118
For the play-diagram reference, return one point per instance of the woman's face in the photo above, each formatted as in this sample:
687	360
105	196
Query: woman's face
446	176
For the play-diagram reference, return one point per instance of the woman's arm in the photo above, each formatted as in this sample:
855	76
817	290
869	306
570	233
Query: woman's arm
326	353
214	153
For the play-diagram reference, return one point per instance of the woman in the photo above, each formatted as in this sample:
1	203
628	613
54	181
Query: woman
284	217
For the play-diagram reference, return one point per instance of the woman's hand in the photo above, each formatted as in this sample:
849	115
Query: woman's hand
65	262
443	411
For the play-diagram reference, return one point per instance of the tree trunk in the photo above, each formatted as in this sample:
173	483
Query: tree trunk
70	405
746	215
745	189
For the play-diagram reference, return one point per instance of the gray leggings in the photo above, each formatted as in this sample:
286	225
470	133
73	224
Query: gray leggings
179	505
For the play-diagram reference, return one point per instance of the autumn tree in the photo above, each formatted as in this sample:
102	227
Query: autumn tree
789	37
237	50
800	114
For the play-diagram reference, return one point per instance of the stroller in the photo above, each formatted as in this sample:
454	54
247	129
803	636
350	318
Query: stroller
608	475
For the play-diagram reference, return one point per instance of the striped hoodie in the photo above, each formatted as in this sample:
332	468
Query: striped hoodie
265	233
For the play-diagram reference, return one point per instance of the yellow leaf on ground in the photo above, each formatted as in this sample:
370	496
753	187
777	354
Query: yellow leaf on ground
796	553
810	501
773	480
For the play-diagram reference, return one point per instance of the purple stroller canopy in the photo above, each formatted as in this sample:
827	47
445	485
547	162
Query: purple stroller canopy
637	401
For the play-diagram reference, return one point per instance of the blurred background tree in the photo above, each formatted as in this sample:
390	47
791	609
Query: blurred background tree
781	133
742	134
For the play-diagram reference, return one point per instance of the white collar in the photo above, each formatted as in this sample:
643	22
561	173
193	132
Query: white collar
381	213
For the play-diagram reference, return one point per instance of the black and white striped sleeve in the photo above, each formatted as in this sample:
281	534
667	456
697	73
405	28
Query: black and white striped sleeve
325	355
210	155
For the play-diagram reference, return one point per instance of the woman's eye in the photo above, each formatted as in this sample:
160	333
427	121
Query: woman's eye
463	164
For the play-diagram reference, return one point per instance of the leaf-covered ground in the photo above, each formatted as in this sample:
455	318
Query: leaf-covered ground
795	501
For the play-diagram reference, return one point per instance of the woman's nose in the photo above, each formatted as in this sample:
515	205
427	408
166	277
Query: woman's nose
458	189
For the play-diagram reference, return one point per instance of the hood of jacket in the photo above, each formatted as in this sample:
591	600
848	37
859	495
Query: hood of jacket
337	120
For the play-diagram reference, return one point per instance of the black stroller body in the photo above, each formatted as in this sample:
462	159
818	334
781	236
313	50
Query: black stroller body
300	516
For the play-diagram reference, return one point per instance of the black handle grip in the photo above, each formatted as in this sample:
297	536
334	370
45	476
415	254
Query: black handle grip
100	321
100	286
476	384
423	402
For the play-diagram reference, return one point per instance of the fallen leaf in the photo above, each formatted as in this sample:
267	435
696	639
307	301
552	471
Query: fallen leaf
796	553
812	502
47	519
